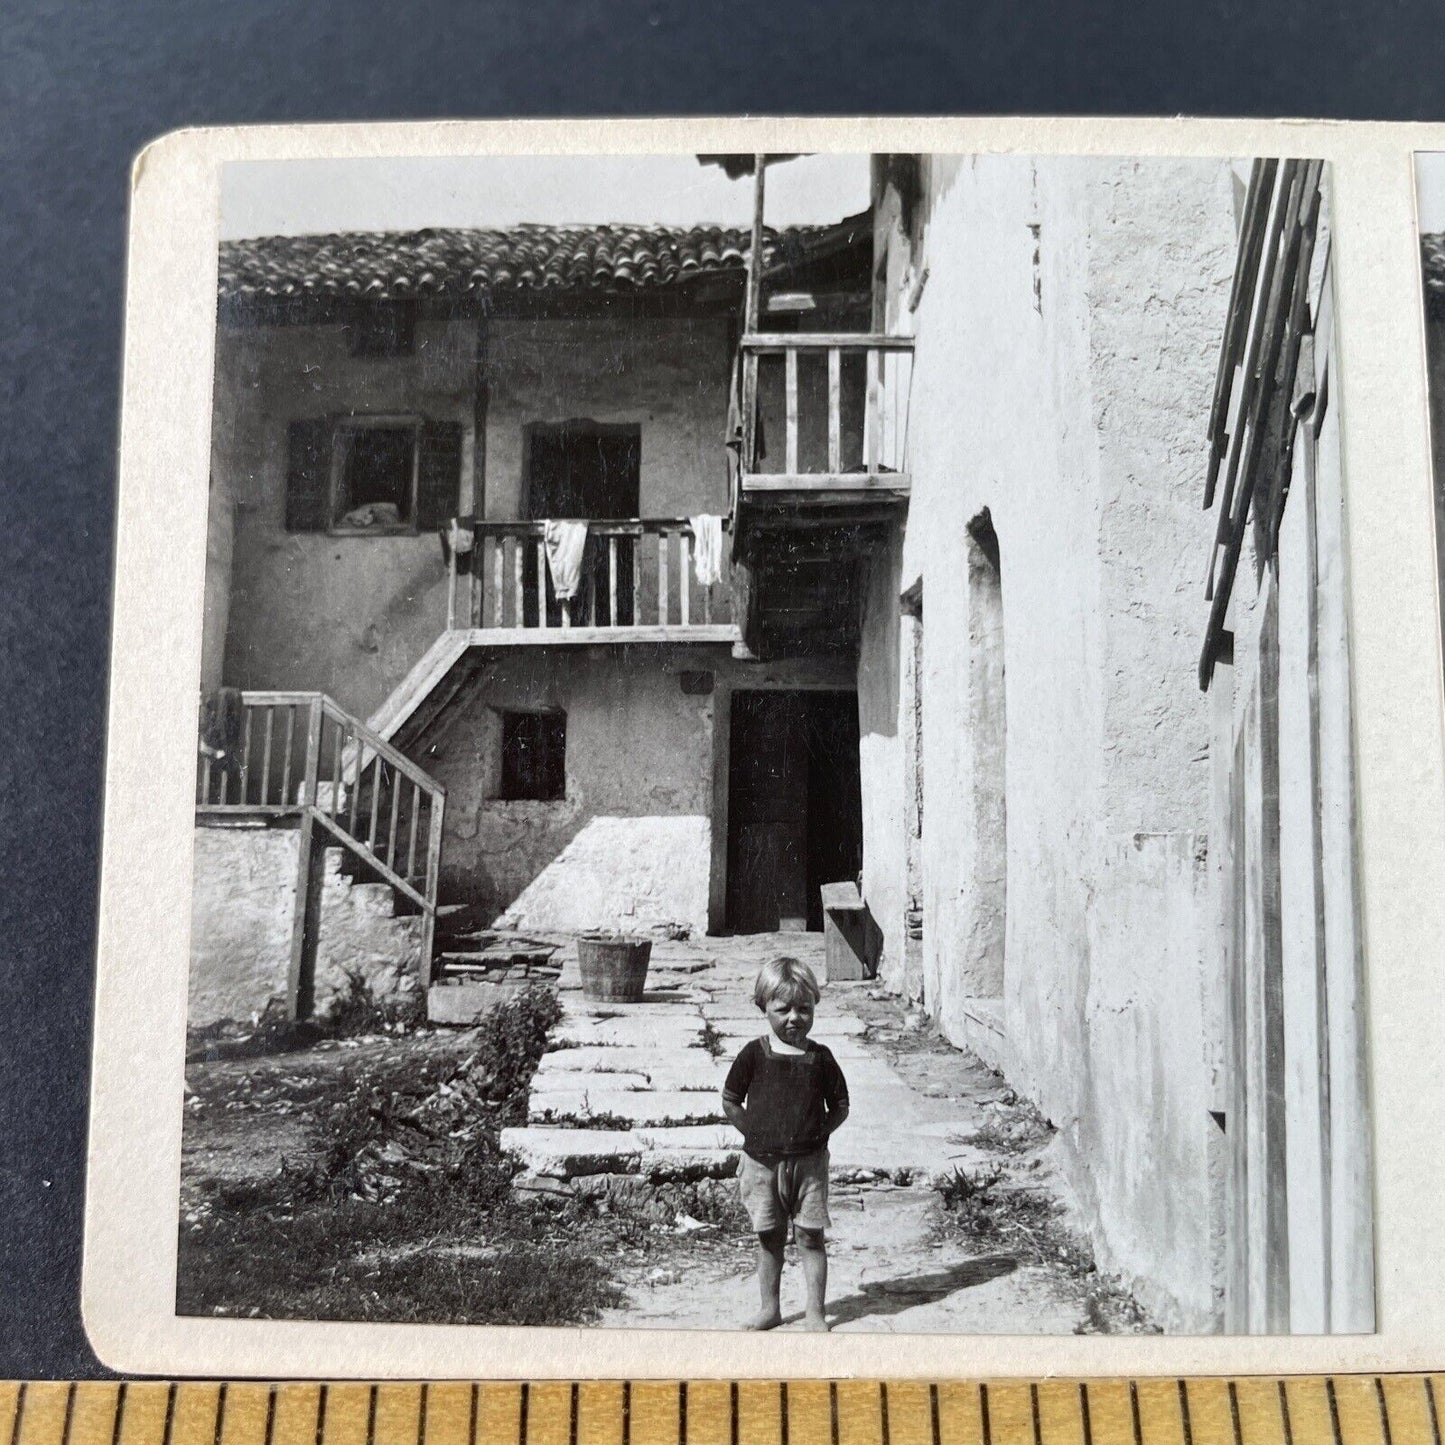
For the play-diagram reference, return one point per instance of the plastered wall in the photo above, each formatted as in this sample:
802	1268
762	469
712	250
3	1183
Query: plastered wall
242	904
1067	328
349	616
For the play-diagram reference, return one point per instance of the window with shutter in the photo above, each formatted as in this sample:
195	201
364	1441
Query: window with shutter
308	476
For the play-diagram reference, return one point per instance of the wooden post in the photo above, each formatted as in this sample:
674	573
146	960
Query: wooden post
310	873
290	744
611	582
662	607
266	755
435	816
872	424
790	386
835	410
452	578
747	462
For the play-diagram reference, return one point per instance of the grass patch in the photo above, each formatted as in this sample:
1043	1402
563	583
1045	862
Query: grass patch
405	1211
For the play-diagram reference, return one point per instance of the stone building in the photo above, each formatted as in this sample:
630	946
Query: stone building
1047	397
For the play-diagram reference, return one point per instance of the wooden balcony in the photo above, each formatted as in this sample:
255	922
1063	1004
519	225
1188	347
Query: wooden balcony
839	404
638	584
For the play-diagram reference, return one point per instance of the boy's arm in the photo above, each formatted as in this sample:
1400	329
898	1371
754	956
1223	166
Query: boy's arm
835	1095
735	1090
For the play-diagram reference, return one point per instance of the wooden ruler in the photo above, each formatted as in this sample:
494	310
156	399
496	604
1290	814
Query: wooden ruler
1302	1410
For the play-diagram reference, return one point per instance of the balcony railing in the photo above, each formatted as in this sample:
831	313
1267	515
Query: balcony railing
638	582
839	402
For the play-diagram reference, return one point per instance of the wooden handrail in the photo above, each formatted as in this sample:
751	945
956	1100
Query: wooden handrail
624	527
378	745
824	341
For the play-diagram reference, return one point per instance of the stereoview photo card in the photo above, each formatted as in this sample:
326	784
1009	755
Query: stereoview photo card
773	749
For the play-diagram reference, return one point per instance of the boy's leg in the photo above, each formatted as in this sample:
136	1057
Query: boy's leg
814	1254
770	1275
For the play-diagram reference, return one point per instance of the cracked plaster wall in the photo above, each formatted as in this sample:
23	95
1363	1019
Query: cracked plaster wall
1084	434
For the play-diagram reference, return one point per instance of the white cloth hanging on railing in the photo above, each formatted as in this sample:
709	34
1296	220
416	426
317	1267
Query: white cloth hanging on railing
707	532
565	543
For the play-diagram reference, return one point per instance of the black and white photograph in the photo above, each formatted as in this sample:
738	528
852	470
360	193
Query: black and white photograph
774	749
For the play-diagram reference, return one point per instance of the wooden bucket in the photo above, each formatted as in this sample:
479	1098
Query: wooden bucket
614	967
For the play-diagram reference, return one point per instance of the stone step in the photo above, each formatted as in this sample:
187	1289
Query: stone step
564	1105
676	1071
567	1153
674	1029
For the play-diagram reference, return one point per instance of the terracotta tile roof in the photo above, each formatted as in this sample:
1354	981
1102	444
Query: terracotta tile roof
394	265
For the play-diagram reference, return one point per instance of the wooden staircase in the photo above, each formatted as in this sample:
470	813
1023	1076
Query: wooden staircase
298	759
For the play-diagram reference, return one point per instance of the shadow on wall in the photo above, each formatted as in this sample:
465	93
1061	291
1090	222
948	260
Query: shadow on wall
624	874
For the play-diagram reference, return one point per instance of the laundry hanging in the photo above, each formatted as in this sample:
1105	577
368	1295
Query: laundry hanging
565	542
707	545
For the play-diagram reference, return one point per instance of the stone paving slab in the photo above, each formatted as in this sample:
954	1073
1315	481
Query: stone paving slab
561	1078
675	1030
566	1153
636	1106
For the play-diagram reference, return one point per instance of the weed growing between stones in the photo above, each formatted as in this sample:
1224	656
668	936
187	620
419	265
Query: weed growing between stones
992	1214
711	1040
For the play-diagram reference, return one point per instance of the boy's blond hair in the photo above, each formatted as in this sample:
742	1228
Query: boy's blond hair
783	975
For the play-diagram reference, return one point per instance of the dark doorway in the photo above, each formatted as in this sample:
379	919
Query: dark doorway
586	470
795	814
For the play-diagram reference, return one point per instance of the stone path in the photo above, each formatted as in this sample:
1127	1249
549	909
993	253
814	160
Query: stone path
634	1090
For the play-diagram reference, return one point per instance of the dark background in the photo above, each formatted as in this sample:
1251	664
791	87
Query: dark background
84	86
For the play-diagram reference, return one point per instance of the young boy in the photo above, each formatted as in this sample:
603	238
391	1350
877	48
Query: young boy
786	1095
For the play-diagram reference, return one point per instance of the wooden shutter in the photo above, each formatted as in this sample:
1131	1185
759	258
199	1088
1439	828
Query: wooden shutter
308	476
439	474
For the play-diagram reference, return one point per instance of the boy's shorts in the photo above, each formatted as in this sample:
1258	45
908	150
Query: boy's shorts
795	1189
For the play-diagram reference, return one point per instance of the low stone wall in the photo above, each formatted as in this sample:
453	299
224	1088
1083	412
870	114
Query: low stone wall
242	906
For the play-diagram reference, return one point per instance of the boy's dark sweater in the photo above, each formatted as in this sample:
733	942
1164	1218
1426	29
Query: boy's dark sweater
788	1098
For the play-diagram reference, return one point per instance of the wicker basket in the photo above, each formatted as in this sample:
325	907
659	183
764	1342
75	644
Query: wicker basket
614	967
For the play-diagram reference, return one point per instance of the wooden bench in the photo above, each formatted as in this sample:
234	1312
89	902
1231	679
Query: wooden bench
850	936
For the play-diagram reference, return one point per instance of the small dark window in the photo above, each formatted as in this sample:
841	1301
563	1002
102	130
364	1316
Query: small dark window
534	756
387	328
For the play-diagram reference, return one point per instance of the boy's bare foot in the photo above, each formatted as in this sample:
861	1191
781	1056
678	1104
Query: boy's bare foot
767	1320
817	1324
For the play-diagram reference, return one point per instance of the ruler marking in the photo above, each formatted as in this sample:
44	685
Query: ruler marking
70	1413
883	1426
782	1412
933	1414
420	1414
1384	1411
681	1414
221	1415
626	1410
572	1414
1034	1409
983	1415
733	1411
170	1415
1434	1417
1184	1417
19	1415
1084	1413
271	1412
833	1409
1134	1412
115	1429
1234	1413
522	1415
1334	1409
370	1418
1284	1414
472	1424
